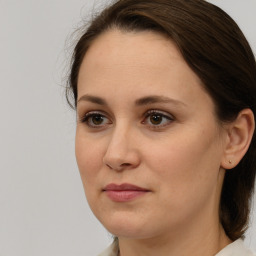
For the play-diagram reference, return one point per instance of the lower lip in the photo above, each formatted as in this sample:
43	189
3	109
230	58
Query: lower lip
124	195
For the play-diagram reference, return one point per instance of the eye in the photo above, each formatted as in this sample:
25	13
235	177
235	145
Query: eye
157	119
95	120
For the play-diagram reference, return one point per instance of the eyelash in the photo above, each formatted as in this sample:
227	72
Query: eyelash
87	119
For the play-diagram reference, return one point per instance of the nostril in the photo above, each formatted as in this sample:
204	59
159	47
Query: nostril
125	164
119	167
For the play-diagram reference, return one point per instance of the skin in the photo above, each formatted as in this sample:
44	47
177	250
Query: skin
178	159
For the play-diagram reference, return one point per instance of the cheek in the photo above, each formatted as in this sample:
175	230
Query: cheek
89	157
186	176
187	162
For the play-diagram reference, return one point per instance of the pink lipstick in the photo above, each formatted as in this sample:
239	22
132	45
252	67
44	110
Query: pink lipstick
124	192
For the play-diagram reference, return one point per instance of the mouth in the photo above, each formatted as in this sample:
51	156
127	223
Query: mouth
124	192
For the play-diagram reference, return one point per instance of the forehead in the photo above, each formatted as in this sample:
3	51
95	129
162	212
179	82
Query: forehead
138	49
137	63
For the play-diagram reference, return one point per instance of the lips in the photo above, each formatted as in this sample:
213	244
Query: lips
125	186
124	192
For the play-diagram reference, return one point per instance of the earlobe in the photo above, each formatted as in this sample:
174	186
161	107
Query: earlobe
239	136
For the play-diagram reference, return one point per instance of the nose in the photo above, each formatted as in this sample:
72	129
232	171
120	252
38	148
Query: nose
122	150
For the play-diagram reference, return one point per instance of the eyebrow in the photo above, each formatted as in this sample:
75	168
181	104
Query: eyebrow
157	99
93	99
139	102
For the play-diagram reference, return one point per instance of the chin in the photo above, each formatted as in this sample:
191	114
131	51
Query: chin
122	225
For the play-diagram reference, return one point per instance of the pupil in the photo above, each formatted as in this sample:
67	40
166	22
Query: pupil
97	120
156	119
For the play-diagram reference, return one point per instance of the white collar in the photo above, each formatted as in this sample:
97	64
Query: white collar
237	248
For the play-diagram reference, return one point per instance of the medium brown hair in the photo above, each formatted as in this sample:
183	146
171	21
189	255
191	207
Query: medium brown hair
217	51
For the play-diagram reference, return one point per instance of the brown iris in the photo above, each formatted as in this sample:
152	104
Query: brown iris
97	119
156	119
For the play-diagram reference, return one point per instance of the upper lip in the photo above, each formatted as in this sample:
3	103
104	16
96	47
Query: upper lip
123	187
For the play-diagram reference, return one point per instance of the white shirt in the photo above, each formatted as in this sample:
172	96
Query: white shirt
236	248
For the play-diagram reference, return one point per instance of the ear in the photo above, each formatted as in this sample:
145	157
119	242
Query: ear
239	134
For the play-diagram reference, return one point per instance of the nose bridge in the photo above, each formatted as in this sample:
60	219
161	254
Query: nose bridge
121	150
120	142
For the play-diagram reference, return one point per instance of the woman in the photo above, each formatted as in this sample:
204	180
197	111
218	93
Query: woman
165	94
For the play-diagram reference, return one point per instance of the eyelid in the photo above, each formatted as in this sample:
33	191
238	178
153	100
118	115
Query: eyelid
160	112
157	111
88	113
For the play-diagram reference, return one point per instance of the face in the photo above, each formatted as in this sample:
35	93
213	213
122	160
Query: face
148	145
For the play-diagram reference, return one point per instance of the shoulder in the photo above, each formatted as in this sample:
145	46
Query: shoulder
237	248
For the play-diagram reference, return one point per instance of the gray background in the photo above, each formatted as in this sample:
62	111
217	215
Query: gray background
42	205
